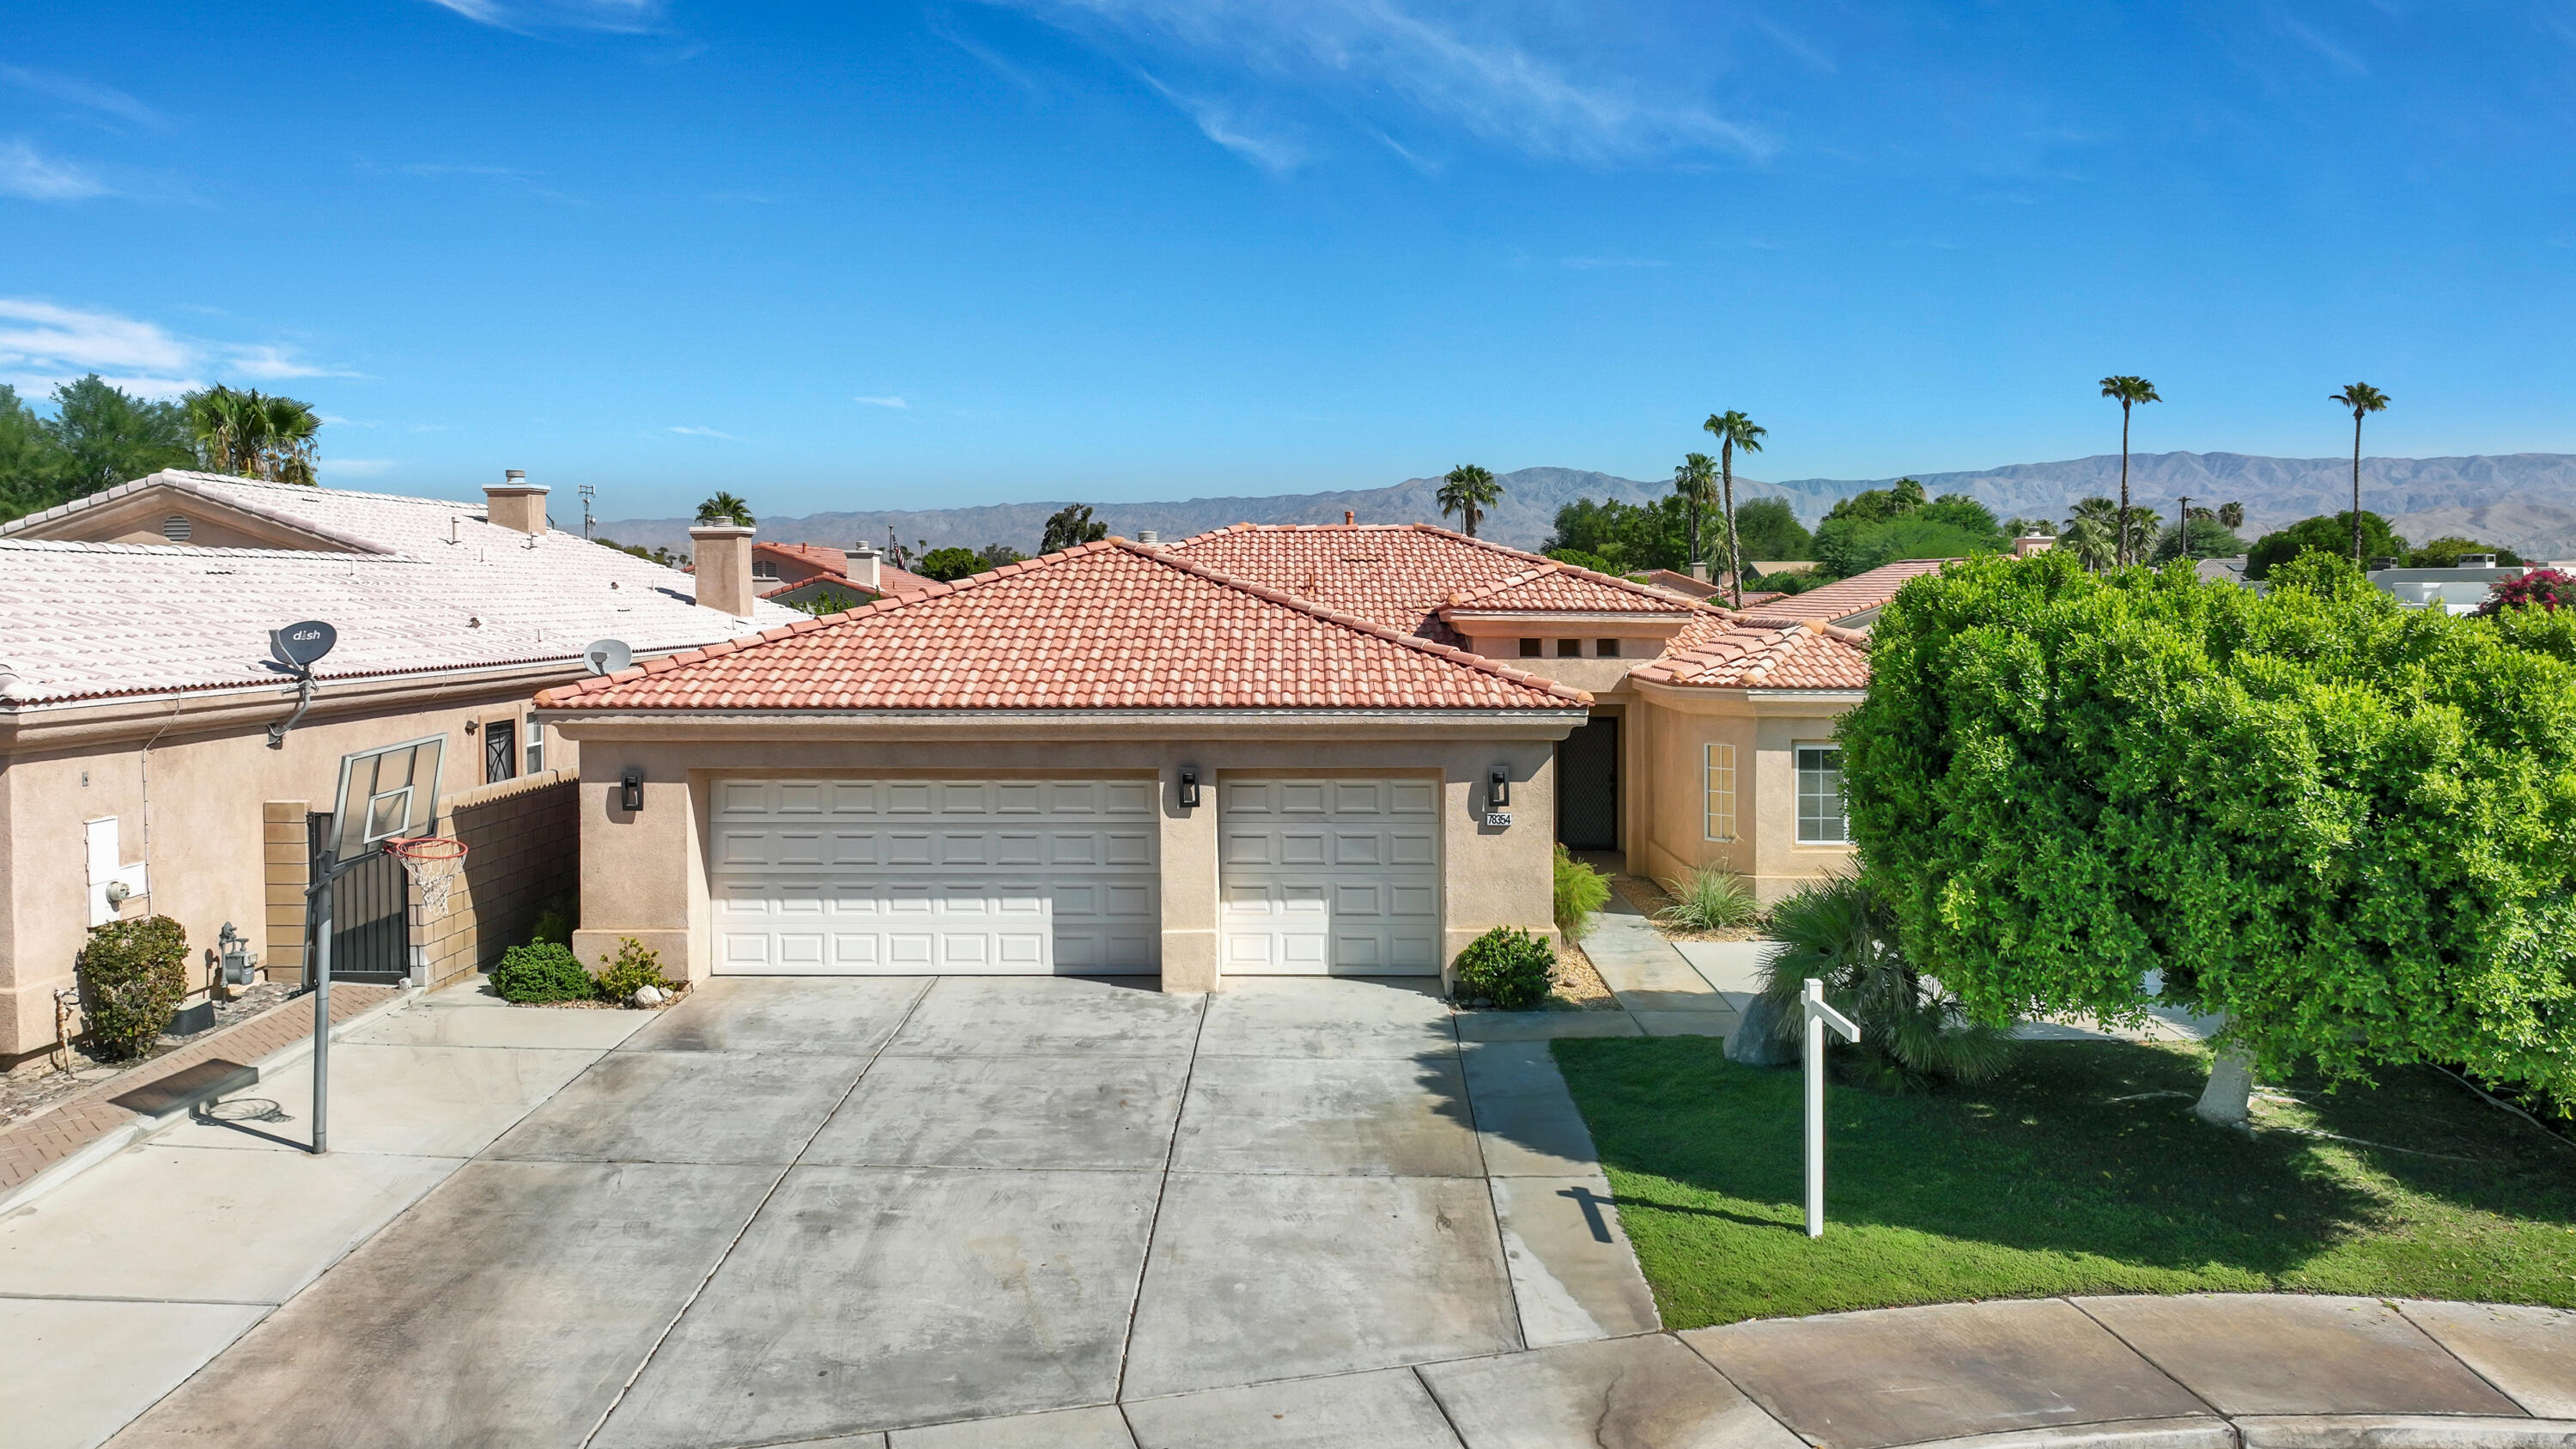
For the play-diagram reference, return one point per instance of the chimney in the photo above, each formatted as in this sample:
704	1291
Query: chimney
1149	538
865	567
515	503
1699	571
724	567
2031	543
1349	517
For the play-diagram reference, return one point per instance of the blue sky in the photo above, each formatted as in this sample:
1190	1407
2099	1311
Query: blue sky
905	255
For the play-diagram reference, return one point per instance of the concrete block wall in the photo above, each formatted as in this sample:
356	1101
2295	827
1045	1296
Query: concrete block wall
523	851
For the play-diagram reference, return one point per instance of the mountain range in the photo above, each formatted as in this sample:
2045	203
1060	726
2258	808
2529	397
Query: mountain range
2524	501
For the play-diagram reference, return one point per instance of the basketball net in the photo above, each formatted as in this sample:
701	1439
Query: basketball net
433	862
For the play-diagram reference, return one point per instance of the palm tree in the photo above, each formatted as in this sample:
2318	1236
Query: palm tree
725	508
2092	533
2362	398
1696	481
1470	490
286	429
1733	430
2129	391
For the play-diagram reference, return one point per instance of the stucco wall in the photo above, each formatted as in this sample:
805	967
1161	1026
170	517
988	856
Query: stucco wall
644	873
1667	731
201	836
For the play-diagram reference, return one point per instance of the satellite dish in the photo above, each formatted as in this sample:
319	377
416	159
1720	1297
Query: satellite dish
607	656
301	646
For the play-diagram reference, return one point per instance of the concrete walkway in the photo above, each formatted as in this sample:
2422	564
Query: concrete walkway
904	1214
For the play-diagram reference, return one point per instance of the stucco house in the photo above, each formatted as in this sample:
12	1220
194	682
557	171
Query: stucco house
1277	749
139	701
799	574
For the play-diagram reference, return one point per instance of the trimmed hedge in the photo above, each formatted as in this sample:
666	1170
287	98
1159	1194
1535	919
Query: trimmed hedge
541	971
1507	967
132	976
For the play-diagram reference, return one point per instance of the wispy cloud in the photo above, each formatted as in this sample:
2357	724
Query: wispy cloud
27	172
42	344
1472	70
700	432
883	402
88	95
993	60
626	17
2336	55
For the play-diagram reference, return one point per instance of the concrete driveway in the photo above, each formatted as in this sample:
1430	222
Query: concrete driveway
790	1211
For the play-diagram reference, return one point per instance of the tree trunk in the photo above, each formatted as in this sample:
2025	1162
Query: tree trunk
2356	490
2124	483
2228	1099
1734	551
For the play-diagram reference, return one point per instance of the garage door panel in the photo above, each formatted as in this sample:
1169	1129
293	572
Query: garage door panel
1330	876
1004	876
1359	847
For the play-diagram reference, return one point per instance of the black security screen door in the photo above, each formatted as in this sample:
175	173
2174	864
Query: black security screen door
370	915
1587	786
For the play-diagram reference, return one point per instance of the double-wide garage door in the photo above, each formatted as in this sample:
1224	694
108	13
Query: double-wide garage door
1337	877
915	877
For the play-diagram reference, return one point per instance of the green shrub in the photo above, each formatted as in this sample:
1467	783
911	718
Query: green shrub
1709	899
634	969
542	971
132	974
1912	1033
1581	892
1506	966
553	927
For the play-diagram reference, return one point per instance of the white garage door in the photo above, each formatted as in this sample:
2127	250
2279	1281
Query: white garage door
908	877
1331	877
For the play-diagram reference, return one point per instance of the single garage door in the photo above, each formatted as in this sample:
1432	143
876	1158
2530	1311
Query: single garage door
907	877
1338	877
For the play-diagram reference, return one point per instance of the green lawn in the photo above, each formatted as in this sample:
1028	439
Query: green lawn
2045	1181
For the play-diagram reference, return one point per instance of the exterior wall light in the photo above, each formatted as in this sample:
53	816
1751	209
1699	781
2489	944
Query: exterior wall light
1189	787
630	790
1498	787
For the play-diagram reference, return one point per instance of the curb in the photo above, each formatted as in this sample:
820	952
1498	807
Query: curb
2199	1431
2403	1431
142	1129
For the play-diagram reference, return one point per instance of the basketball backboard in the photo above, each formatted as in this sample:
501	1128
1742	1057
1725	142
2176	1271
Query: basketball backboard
386	793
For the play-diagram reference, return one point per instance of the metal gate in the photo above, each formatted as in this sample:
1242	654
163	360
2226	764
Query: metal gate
370	915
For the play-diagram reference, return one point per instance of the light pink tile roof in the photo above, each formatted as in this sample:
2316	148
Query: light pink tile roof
819	555
1855	595
1742	652
890	580
1400	575
85	620
1110	625
1552	587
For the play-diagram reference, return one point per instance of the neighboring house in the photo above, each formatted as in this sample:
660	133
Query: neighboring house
797	574
1692	586
137	700
2457	590
1262	750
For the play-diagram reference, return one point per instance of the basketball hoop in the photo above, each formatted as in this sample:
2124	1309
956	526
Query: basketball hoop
433	862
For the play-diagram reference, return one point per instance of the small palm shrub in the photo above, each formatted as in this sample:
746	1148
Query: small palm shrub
634	969
1507	967
1581	892
132	975
1709	899
541	971
1912	1033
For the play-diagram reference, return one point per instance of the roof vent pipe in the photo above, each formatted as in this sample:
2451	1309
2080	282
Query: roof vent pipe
1349	517
1149	537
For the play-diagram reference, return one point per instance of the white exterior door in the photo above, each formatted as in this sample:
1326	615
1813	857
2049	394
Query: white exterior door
1330	877
919	877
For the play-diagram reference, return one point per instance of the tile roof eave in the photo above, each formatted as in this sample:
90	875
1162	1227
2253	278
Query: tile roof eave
563	696
11	701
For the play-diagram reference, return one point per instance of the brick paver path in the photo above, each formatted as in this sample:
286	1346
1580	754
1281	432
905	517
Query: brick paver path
77	1121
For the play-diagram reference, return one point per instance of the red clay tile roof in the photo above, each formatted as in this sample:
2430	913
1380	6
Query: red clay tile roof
1553	587
1741	652
1400	575
1855	595
822	556
1110	625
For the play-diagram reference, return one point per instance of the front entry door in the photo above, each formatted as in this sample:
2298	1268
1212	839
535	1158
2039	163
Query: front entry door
1587	786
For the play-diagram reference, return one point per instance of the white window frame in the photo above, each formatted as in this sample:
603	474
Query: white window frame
1717	791
533	741
1813	822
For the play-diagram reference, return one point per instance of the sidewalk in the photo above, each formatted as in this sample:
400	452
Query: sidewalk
1662	990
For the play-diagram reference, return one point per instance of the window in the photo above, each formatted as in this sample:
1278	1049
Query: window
1605	649
1820	796
536	746
764	568
1717	776
1533	648
1569	648
176	528
500	751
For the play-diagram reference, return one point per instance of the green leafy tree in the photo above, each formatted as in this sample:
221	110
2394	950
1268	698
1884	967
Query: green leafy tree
1469	490
2343	825
1768	528
2323	534
1960	511
2020	527
2364	400
1879	505
1845	547
1733	431
726	509
948	565
1582	560
2209	539
994	555
107	436
1695	483
1631	537
2128	392
1070	527
32	465
2444	553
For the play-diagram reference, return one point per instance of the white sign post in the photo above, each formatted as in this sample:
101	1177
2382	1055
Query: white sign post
1819	1016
